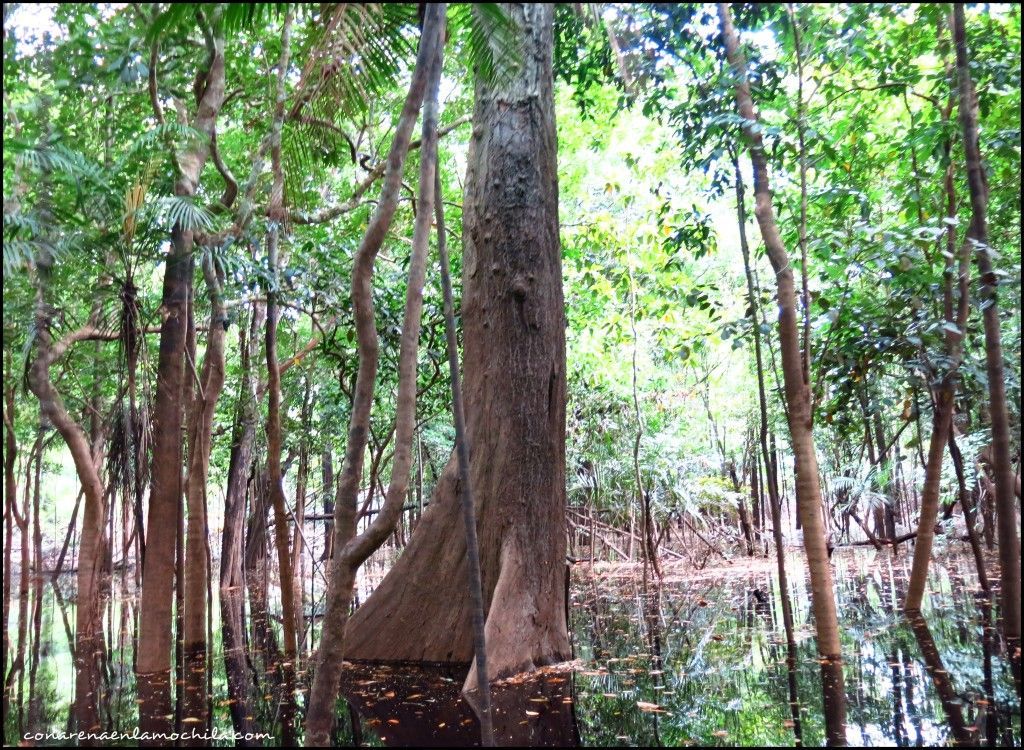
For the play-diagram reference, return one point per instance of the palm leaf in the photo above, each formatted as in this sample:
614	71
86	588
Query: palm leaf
184	212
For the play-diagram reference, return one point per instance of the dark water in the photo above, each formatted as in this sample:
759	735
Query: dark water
699	661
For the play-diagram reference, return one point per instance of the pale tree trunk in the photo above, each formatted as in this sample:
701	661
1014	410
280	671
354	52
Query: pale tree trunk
153	661
351	550
514	365
1006	512
798	402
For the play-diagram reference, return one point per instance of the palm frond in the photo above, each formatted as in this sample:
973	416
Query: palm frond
183	211
490	42
359	53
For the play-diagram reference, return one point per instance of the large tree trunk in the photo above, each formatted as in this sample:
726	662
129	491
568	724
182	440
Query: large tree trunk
1006	511
514	363
798	401
154	649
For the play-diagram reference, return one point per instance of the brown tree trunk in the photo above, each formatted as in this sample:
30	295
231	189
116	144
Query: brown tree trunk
10	499
276	217
1006	512
154	649
955	312
514	365
197	573
232	594
798	401
766	454
88	625
350	549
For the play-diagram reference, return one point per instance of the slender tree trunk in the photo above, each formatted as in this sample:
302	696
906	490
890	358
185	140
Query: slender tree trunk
275	477
158	575
350	549
798	402
465	486
88	624
10	499
298	536
514	352
197	573
1006	513
956	313
970	518
766	453
232	580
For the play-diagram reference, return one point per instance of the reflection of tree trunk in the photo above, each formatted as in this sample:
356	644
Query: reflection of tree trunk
1006	511
447	720
767	455
798	403
967	505
951	702
35	700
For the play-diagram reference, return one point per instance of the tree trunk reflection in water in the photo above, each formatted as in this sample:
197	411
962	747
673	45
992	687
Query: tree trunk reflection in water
951	703
422	706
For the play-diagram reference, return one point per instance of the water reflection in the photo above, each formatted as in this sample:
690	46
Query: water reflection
419	706
722	677
697	660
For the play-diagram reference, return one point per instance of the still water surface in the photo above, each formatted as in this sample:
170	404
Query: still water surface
700	660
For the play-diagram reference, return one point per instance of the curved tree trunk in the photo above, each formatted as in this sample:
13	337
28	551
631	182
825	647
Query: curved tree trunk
88	620
798	402
351	549
514	363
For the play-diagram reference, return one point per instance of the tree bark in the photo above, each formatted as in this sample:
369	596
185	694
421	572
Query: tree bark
276	215
200	429
88	620
956	313
158	575
232	581
514	365
798	400
1006	512
351	550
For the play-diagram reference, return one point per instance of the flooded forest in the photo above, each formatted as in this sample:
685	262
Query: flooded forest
511	374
